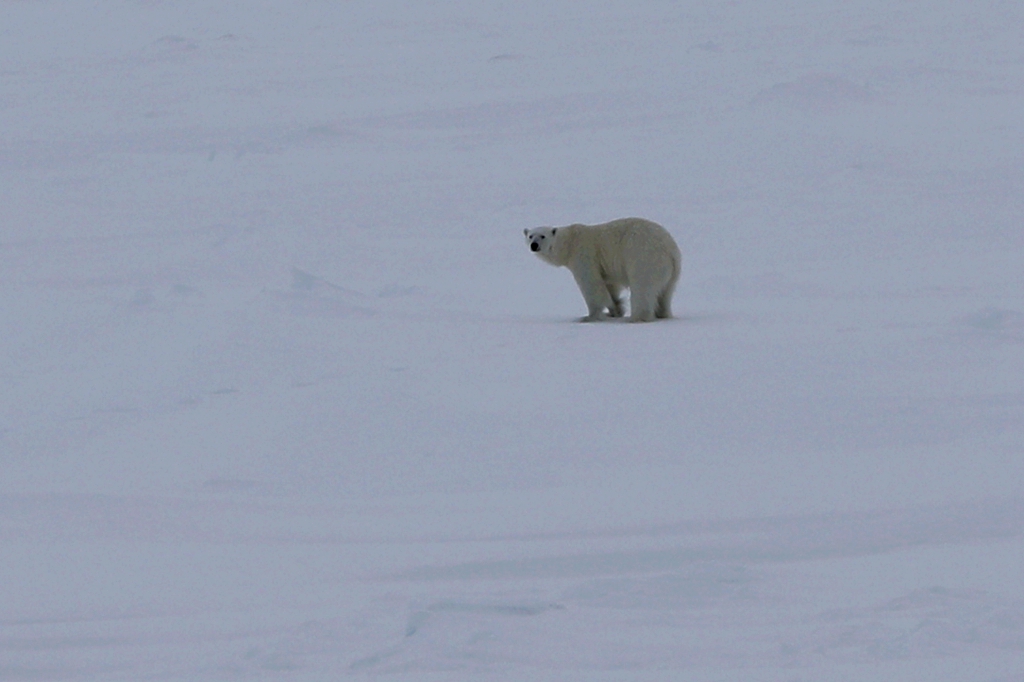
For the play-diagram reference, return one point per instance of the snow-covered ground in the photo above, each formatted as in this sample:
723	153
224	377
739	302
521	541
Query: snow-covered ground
284	396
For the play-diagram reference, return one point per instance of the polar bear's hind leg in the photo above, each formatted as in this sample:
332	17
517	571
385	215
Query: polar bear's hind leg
643	294
664	309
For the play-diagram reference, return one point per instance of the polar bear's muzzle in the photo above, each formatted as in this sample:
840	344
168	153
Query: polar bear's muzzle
534	246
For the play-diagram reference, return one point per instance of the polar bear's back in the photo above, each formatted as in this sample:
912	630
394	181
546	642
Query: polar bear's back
625	245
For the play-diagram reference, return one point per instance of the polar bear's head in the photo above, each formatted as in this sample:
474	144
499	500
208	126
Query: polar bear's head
541	240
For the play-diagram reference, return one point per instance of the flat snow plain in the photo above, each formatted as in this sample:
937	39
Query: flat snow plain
284	396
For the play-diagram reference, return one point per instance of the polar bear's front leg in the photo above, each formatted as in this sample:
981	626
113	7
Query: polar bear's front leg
595	292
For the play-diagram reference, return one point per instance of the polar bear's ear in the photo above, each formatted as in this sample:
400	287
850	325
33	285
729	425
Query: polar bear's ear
526	232
553	230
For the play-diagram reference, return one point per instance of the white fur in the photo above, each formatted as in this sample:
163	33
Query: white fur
628	253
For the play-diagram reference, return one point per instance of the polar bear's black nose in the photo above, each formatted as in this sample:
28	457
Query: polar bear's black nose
534	246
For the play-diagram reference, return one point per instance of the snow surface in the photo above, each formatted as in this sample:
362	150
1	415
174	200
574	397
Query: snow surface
285	397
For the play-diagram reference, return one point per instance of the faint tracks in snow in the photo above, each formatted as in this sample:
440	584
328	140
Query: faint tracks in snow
762	541
932	622
470	620
420	618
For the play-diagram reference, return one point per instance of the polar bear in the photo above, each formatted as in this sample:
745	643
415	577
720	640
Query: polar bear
628	253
